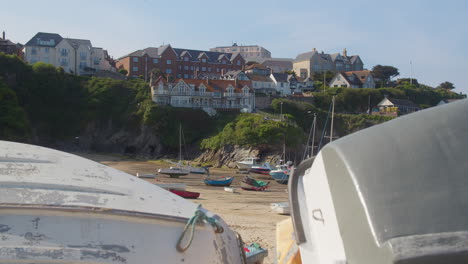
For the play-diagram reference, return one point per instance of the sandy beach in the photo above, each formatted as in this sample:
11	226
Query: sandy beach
246	212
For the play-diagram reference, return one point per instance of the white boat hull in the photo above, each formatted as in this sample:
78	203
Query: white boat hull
174	172
59	208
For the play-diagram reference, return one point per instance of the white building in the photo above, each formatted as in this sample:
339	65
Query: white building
353	79
76	56
281	83
248	52
204	94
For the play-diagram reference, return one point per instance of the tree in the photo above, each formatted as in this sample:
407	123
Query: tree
384	73
446	86
123	71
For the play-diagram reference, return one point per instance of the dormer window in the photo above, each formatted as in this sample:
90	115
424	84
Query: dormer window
224	61
202	89
238	62
203	60
186	58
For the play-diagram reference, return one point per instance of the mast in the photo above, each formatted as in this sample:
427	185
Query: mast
333	113
180	143
313	135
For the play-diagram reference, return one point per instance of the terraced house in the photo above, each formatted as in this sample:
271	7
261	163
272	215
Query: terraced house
180	63
206	94
76	56
306	64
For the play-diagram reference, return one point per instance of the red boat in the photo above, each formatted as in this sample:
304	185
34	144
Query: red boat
185	194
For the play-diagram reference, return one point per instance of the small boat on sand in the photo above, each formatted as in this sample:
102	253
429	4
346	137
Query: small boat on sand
281	175
247	163
280	208
147	176
223	181
250	184
263	169
174	172
185	194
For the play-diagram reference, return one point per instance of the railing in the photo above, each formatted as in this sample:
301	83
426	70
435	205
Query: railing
224	106
201	94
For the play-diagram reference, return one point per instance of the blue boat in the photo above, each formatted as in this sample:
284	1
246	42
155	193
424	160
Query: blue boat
219	182
281	175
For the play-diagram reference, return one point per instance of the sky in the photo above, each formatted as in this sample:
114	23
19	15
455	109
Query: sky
432	36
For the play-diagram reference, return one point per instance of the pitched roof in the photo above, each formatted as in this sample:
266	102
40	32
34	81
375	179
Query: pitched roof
217	85
75	43
259	78
353	58
285	63
256	66
403	102
305	56
280	77
45	40
212	55
6	42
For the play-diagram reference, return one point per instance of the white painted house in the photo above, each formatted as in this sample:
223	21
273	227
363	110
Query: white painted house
281	83
76	56
353	79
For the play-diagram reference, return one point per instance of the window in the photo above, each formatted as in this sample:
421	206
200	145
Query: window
46	59
135	68
96	61
46	50
203	60
191	68
224	61
180	67
186	67
238	62
83	65
186	58
135	59
83	55
168	70
64	52
186	76
155	61
33	51
203	68
209	69
179	75
233	50
63	62
168	62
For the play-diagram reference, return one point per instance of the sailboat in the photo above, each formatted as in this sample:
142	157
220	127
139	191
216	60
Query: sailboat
281	173
178	170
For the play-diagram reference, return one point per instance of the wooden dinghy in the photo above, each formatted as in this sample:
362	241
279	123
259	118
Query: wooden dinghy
60	208
250	184
223	181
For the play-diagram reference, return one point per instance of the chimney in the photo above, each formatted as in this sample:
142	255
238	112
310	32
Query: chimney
314	50
345	53
3	35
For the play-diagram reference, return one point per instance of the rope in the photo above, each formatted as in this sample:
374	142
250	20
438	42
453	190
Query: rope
198	217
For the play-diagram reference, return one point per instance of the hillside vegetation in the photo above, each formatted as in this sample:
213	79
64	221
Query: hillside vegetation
41	104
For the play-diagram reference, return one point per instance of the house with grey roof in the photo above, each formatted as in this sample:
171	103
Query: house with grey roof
306	64
281	83
77	56
278	65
